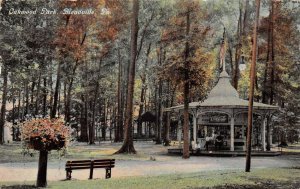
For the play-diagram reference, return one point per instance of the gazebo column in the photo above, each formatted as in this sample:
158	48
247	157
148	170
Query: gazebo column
263	133
195	130
232	134
243	136
271	136
179	132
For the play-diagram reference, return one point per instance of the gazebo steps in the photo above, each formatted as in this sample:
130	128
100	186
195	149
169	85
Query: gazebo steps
178	151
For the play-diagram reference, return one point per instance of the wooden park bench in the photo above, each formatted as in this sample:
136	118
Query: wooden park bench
106	164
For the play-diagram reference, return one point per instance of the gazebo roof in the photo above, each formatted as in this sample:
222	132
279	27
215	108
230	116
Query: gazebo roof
224	95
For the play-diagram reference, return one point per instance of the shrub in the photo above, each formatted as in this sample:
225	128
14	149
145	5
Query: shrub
45	134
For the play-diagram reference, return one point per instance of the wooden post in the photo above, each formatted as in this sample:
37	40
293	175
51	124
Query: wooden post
91	170
107	173
251	91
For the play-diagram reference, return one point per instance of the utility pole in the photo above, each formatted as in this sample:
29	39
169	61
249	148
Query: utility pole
251	91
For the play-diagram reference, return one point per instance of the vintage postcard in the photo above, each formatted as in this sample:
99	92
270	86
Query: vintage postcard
150	94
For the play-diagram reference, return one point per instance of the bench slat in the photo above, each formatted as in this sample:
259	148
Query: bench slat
88	161
74	168
75	164
79	161
100	160
87	164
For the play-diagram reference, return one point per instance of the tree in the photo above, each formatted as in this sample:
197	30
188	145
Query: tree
3	105
143	92
251	91
186	121
127	146
189	65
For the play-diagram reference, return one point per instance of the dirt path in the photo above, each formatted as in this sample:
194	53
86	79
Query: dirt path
162	165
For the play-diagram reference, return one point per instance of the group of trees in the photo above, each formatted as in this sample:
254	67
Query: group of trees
94	69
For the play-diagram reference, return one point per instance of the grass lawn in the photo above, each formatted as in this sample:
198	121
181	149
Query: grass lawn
257	178
12	153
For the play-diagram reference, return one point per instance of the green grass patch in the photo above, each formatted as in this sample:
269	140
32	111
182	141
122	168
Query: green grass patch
13	153
183	181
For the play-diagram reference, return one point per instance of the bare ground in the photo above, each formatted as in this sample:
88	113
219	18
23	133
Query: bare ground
151	160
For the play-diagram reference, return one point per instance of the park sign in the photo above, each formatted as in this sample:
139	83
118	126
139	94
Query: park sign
214	118
218	118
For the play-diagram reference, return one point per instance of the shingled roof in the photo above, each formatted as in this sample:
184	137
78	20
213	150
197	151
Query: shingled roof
224	95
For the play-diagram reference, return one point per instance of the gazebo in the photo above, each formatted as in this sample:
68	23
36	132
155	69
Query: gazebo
223	112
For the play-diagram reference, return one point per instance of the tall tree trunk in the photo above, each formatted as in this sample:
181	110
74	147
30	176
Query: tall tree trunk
92	135
86	117
50	84
123	105
246	17
119	99
272	75
32	90
159	113
26	98
144	88
13	118
83	123
168	121
267	86
69	92
45	98
37	99
158	100
23	103
238	51
251	91
232	66
186	125
128	138
266	82
19	104
3	105
104	126
56	92
71	80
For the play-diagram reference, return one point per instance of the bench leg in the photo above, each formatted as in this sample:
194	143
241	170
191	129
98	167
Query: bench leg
68	174
91	173
108	173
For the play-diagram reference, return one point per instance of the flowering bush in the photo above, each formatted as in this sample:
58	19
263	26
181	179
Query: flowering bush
45	134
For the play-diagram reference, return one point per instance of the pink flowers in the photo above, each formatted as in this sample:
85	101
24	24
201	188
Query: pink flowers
45	134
